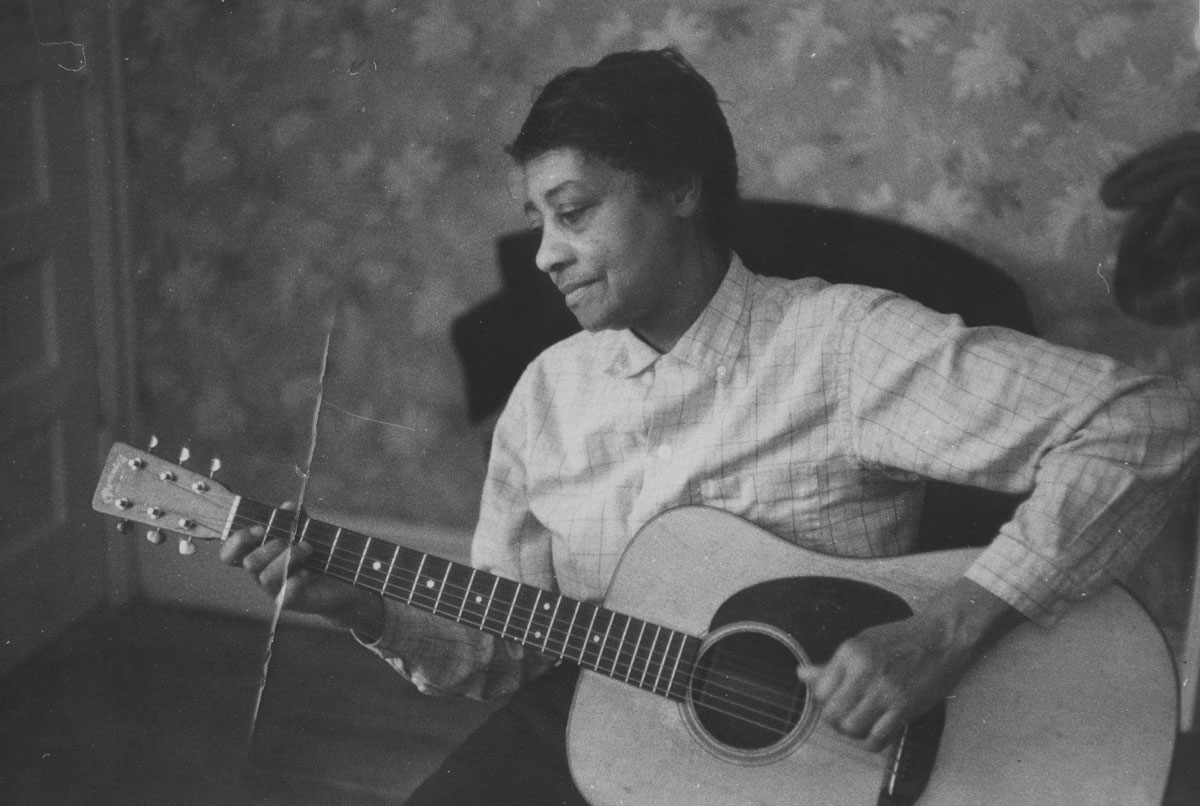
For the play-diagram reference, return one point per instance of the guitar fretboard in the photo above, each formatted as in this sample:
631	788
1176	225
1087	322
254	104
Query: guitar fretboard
640	653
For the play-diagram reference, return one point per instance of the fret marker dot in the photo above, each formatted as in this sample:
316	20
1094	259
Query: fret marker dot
478	599
430	584
537	635
595	639
378	566
546	606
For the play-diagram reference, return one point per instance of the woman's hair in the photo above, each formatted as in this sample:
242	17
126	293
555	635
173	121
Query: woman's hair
648	112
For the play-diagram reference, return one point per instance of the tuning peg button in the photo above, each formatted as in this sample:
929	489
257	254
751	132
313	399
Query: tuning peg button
124	527
186	547
154	536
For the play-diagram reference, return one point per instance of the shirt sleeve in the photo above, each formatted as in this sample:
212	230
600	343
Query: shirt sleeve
442	657
1099	450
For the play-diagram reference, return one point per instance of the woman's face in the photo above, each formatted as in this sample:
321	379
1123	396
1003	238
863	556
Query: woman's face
610	243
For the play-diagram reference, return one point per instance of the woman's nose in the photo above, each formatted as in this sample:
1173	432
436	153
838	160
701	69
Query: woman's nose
553	252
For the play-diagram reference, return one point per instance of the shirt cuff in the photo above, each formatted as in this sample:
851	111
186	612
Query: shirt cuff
404	630
1027	581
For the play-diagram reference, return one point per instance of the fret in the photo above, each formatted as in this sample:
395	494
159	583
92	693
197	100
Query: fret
675	666
612	669
428	597
491	598
441	589
588	636
637	644
685	658
542	619
662	666
571	627
361	557
475	613
304	531
604	642
533	613
387	578
595	640
367	564
333	547
270	525
466	595
524	610
649	658
550	626
511	607
417	578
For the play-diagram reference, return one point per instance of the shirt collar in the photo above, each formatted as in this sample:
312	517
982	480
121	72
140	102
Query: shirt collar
710	345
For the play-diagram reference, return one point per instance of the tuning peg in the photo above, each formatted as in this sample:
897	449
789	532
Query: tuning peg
155	536
186	546
214	467
184	454
153	442
124	527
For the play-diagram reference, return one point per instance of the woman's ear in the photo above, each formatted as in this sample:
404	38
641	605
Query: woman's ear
685	196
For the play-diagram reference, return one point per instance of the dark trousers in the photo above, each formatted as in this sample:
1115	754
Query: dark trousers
518	756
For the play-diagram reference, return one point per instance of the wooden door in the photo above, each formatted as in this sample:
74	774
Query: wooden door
52	550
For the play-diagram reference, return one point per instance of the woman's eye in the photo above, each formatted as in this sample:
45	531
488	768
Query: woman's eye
572	216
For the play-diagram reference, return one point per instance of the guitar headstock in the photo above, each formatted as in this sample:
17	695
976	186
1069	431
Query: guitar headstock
140	487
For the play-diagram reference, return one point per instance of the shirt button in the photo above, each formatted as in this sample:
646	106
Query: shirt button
709	488
721	371
663	452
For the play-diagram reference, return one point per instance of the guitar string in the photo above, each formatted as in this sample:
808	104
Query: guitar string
749	678
780	699
349	563
349	559
689	668
640	657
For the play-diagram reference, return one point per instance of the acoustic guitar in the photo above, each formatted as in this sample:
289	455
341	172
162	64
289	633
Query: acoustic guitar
689	693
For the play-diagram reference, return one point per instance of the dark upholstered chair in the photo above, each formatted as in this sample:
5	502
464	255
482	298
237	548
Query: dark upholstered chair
497	339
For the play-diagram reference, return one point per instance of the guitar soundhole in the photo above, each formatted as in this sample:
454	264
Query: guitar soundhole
744	692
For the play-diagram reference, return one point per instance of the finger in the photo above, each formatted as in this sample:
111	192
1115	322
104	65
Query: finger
239	544
281	562
862	718
298	554
258	560
822	681
294	587
844	698
887	729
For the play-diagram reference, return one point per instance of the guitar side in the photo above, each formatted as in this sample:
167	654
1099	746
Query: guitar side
1084	713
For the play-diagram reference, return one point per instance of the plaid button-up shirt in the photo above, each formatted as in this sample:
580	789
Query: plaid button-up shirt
814	411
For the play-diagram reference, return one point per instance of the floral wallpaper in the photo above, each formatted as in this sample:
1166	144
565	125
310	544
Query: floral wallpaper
303	168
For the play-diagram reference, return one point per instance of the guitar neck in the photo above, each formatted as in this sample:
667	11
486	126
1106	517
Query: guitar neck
640	653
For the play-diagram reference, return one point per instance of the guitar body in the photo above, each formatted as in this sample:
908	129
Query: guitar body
1084	713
